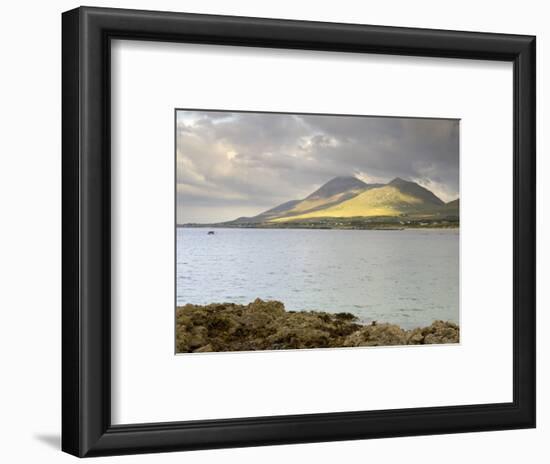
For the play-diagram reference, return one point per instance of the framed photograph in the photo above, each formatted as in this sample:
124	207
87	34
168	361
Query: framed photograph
284	231
304	273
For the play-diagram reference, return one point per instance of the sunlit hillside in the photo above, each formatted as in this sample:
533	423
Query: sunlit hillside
393	199
381	201
350	199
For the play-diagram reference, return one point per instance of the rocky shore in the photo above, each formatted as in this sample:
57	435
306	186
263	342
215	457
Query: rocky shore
266	325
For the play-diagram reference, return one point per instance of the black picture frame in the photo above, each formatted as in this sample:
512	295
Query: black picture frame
86	228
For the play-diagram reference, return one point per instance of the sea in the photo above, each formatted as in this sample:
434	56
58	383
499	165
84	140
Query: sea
408	277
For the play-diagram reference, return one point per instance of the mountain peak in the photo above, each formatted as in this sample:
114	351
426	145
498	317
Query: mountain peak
412	188
399	181
338	185
344	178
349	197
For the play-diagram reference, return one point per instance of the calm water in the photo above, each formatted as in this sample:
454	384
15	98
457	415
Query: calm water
408	277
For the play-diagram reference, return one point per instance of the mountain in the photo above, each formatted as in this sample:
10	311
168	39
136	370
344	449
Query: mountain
333	192
336	186
266	216
415	190
455	204
396	198
452	208
349	198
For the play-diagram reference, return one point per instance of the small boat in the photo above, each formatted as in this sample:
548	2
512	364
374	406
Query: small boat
211	232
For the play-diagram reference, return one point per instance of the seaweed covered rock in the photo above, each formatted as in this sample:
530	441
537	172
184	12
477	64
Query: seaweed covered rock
438	332
377	335
265	325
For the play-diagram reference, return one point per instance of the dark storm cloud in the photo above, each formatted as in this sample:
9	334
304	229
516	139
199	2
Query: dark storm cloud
232	164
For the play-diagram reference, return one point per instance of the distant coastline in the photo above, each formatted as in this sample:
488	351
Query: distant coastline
349	203
332	225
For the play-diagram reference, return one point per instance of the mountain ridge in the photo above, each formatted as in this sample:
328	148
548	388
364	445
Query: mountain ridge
336	190
337	185
351	200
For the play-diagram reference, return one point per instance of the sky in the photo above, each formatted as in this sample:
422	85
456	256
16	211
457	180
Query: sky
232	164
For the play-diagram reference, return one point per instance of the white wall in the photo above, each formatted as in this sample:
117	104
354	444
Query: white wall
30	208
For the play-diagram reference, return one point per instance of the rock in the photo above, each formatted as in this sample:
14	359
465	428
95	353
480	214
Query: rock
377	335
345	316
415	337
265	325
298	337
205	349
438	332
441	332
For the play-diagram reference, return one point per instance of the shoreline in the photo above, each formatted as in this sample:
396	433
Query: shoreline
393	228
266	325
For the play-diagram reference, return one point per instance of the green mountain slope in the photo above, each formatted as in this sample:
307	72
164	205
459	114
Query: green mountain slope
417	191
397	198
349	197
335	191
451	209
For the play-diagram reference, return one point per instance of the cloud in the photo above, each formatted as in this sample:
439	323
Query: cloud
233	164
